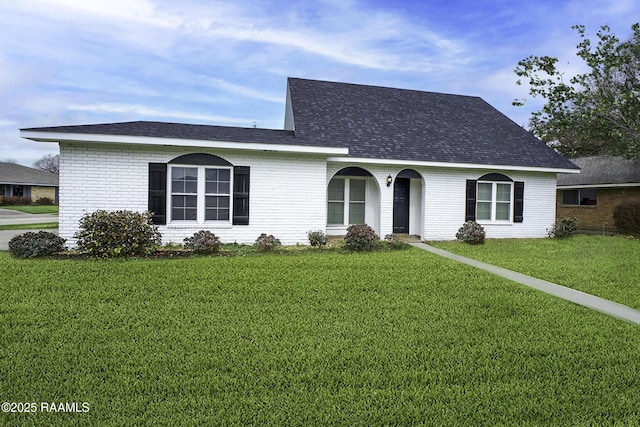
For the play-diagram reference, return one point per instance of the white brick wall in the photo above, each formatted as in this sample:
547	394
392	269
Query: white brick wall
444	196
287	192
445	204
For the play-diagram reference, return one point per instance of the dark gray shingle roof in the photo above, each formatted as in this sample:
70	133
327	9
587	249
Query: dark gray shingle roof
375	123
388	123
11	173
602	170
179	130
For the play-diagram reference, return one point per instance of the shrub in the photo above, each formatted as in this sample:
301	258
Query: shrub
119	233
266	243
361	238
471	232
317	239
44	201
563	228
32	244
16	201
202	242
626	217
395	243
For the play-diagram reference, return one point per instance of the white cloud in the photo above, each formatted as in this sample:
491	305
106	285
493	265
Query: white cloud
145	111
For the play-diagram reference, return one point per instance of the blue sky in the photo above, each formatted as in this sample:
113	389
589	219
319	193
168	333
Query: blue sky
66	62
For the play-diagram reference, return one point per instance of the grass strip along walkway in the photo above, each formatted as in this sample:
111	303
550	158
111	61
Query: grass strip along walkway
596	303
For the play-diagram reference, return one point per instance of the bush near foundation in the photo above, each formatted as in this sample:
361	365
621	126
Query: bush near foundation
563	228
203	242
33	245
317	239
117	234
471	232
361	238
15	201
626	217
267	243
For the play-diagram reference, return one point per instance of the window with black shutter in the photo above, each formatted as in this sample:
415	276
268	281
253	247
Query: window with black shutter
494	198
241	195
198	188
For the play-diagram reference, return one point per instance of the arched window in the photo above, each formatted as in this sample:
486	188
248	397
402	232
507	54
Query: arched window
346	197
495	198
199	188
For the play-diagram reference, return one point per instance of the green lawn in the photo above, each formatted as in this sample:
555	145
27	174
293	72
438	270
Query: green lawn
42	225
389	338
608	267
33	209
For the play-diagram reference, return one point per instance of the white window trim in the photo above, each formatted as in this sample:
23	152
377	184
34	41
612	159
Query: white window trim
494	202
346	200
200	197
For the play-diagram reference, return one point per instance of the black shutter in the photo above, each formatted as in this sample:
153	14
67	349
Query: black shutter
158	192
470	212
241	195
518	201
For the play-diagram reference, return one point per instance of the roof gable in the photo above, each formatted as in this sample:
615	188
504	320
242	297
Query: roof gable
400	124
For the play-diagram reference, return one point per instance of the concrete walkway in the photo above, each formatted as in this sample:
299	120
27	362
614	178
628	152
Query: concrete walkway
596	303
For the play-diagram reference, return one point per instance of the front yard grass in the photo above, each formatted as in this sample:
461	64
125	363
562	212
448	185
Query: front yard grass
43	225
384	338
34	209
606	266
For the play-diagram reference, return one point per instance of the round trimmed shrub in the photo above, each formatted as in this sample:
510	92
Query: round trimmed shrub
203	242
563	228
266	243
117	234
33	245
471	232
626	217
361	238
317	239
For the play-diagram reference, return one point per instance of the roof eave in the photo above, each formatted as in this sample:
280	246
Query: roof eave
40	136
455	165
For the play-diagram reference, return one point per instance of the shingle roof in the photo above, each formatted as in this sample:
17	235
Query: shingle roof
11	173
374	123
388	123
602	170
179	130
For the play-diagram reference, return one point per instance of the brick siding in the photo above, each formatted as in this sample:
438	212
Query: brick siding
600	216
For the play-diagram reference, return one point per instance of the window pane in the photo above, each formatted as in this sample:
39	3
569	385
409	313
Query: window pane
484	191
483	210
336	189
357	191
217	181
502	211
356	213
216	208
184	180
588	197
184	208
503	193
335	213
570	197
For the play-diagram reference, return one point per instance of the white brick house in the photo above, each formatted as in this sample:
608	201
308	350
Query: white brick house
401	161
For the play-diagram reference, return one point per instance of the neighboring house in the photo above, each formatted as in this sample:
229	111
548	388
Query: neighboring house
21	181
603	183
402	161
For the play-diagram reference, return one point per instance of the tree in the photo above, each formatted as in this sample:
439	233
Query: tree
49	163
597	112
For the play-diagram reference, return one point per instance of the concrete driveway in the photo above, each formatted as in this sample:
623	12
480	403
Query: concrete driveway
11	217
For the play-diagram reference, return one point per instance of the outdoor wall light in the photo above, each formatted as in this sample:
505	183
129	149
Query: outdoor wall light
389	180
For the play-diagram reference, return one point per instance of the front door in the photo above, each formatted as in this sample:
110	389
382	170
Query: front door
401	206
